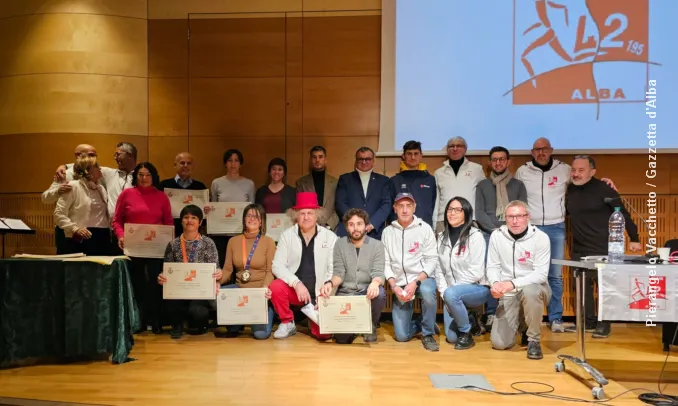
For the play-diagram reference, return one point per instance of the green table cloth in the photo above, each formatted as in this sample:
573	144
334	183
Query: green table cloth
65	310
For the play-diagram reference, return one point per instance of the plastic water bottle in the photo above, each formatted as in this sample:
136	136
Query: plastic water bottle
616	241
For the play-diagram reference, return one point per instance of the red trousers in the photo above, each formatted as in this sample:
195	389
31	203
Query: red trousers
282	296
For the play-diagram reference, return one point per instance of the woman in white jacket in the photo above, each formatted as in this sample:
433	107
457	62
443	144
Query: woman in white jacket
460	276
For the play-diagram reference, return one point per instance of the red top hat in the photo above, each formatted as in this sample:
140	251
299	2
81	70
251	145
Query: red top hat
306	200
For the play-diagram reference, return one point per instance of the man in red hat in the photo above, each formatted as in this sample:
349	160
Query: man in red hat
302	265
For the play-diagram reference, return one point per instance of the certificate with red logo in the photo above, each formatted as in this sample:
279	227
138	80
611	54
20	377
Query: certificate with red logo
225	217
147	240
345	314
238	306
276	224
189	281
180	198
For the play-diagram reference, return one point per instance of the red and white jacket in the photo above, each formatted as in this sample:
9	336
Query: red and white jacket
409	251
545	191
523	262
461	267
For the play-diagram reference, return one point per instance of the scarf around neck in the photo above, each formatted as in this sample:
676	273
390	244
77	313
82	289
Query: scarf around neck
500	182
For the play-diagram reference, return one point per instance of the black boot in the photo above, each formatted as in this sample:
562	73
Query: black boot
177	331
464	341
534	350
602	330
372	337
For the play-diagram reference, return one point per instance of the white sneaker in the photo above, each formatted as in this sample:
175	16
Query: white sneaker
285	330
310	312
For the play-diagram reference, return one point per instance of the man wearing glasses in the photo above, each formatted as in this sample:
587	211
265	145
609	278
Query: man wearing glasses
517	269
492	197
457	177
366	190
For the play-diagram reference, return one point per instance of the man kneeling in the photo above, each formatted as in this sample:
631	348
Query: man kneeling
517	268
358	269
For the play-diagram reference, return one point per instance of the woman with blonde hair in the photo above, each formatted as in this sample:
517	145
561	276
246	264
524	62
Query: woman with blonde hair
83	212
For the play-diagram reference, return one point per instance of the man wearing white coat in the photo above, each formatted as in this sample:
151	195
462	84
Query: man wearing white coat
302	265
517	269
410	263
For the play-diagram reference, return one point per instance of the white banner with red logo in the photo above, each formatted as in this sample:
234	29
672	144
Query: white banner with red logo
638	292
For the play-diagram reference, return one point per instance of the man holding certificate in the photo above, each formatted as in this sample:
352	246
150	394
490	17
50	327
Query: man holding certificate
358	271
190	248
302	264
411	262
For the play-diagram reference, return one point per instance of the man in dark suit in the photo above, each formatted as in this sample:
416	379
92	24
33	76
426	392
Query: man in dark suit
322	184
183	163
366	190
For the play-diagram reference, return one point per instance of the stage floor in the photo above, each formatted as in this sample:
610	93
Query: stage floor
205	370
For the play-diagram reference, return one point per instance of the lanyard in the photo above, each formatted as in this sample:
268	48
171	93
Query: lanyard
246	260
191	255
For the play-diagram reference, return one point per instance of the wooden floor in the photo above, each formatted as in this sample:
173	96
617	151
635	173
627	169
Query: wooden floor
300	371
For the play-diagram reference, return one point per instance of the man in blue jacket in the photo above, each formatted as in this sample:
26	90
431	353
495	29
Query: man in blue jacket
415	180
364	189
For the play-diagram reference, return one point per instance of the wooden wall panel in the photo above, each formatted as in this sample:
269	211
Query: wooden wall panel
237	107
73	43
63	103
168	107
168	48
161	153
238	47
336	106
294	47
296	157
38	156
257	152
342	46
169	9
126	8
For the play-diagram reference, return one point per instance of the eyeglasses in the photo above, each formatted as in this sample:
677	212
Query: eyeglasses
502	159
517	217
364	159
457	146
454	209
252	216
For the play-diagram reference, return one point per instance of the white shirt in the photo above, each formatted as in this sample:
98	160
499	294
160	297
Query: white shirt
462	184
364	179
115	181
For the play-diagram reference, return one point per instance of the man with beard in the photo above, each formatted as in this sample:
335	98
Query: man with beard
492	197
323	185
358	270
589	218
183	164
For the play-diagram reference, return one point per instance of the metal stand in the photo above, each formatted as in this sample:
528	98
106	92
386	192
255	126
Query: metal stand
580	286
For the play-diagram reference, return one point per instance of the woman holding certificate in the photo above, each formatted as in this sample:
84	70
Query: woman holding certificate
461	276
137	208
276	197
191	247
231	188
250	255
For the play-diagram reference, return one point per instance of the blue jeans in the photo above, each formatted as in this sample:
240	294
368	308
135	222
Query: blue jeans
406	328
492	303
260	331
556	233
456	299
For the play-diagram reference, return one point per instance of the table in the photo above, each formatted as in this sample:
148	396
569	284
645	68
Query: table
52	309
581	268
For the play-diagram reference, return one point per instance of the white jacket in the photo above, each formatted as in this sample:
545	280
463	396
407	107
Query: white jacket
73	208
466	268
409	251
450	185
545	191
523	262
287	256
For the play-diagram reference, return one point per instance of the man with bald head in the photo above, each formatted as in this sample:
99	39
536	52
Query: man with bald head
183	164
59	187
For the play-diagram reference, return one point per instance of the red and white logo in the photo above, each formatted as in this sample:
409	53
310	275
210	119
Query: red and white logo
552	181
460	251
414	247
523	258
646	292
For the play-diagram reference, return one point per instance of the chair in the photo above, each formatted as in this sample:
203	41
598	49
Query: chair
669	336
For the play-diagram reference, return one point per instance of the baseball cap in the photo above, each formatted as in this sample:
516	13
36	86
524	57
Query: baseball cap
401	196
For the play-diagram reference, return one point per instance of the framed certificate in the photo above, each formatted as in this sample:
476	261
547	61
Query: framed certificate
147	240
276	224
189	281
225	217
345	314
180	198
237	306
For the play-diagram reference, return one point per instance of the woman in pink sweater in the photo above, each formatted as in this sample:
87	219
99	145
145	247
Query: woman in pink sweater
144	204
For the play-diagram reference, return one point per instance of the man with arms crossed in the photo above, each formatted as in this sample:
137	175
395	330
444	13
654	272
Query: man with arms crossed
589	217
517	269
302	265
410	264
359	269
